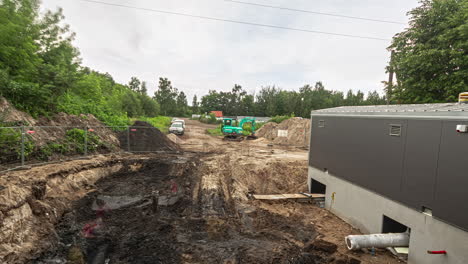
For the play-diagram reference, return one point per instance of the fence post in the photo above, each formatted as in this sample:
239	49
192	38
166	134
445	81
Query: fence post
22	145
86	141
128	138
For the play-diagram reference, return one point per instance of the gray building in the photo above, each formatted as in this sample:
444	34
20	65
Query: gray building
389	168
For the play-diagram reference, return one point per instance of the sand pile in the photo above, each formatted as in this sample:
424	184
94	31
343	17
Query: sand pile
298	131
145	137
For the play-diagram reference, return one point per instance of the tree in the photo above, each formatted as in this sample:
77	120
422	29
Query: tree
431	56
134	84
132	105
182	106
143	89
166	96
195	104
150	106
373	98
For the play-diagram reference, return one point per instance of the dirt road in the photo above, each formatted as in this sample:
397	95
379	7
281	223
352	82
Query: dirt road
194	207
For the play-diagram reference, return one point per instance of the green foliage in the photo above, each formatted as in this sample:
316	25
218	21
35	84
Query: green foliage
195	105
273	101
40	70
233	103
278	119
431	56
74	143
160	122
247	129
215	131
75	139
209	119
182	106
52	148
10	144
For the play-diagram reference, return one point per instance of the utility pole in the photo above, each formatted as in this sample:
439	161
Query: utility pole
390	78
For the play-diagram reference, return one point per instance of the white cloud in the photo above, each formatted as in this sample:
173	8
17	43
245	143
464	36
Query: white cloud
198	55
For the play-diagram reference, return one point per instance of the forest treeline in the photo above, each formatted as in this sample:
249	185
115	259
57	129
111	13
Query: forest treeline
273	101
41	72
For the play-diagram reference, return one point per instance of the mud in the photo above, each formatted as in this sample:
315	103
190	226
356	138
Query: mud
185	232
188	207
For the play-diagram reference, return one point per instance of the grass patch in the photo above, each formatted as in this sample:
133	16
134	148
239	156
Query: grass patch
215	131
160	122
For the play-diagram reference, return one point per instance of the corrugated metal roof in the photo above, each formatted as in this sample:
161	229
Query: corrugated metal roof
444	110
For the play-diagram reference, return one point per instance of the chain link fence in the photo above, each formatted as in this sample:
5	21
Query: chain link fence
23	146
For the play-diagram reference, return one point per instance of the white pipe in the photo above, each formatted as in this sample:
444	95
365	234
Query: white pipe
354	242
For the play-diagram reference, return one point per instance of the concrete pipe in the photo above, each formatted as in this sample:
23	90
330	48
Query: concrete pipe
354	242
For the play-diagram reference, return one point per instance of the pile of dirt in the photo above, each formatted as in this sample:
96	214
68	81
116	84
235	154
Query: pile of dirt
53	129
144	137
174	138
12	116
298	131
273	178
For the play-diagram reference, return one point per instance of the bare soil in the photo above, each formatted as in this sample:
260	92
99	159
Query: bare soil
211	220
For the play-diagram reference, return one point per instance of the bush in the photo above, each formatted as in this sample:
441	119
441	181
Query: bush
160	122
10	144
215	131
73	104
278	119
209	119
76	141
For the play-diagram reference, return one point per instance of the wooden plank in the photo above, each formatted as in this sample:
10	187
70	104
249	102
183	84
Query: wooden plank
287	196
268	197
295	196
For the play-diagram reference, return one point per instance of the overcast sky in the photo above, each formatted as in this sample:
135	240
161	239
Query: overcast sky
198	55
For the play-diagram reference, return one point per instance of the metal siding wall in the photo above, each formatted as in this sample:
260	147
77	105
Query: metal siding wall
360	150
452	177
426	166
420	165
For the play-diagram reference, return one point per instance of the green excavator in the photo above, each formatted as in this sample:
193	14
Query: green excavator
233	129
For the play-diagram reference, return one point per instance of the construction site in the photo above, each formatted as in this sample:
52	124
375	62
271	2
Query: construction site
194	198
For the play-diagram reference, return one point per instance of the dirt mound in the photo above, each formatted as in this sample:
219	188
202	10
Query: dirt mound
174	138
55	129
272	178
10	115
298	131
144	137
47	130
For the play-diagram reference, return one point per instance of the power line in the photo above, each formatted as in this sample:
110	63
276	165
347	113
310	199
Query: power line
316	13
234	21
